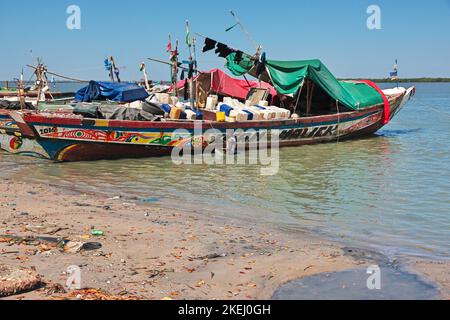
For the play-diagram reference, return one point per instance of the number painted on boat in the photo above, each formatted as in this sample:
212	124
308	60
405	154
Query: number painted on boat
48	130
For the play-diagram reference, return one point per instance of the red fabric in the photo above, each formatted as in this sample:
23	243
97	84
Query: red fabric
225	85
387	107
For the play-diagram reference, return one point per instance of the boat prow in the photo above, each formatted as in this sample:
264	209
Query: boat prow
407	94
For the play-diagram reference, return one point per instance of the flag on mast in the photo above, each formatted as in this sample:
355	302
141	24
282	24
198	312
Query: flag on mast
169	45
107	64
394	74
174	53
188	35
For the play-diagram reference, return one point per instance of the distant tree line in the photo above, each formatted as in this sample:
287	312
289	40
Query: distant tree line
407	80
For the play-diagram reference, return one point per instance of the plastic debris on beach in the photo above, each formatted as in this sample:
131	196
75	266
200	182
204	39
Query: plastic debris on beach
97	233
50	243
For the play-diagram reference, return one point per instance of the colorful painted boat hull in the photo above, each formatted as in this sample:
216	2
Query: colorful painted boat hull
72	138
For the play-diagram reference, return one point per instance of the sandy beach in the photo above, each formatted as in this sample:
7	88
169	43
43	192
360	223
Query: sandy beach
148	252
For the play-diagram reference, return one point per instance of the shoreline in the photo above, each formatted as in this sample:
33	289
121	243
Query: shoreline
155	253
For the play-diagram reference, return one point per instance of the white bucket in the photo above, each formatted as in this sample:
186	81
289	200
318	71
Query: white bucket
228	101
242	116
279	113
239	115
257	114
269	115
211	102
190	115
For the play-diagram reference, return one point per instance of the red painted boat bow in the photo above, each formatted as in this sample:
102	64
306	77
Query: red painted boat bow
387	107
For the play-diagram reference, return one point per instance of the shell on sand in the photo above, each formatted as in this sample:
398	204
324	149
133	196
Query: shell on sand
17	280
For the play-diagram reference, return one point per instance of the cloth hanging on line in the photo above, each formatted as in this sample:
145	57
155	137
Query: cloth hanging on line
191	69
186	90
223	50
209	45
260	66
238	57
108	65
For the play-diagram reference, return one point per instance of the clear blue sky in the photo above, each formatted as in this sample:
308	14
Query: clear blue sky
416	32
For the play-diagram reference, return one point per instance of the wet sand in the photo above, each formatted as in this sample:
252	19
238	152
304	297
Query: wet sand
150	252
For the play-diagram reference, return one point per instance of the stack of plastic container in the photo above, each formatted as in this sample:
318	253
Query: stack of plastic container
235	111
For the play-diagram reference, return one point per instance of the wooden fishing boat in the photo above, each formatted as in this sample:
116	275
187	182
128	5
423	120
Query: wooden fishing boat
66	137
324	110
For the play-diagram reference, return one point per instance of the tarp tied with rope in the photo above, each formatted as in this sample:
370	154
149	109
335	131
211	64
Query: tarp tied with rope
119	92
239	66
289	76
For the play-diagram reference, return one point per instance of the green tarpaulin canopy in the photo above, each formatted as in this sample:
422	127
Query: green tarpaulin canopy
289	76
239	68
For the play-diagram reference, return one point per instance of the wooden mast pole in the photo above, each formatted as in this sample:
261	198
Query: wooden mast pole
144	71
39	82
21	93
191	61
174	63
310	91
113	70
111	73
194	69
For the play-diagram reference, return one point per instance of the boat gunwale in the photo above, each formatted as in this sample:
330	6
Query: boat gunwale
53	119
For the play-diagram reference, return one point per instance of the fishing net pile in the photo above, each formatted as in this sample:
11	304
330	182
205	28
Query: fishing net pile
15	105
